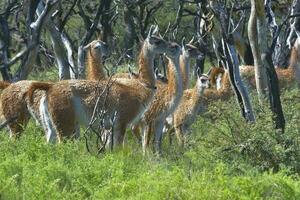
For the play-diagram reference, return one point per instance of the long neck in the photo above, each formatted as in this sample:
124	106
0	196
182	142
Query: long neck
146	63
226	86
197	93
185	70
295	65
94	69
174	81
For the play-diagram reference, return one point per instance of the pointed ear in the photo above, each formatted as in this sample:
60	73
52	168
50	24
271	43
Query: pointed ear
298	33
209	72
86	46
156	30
156	73
192	40
183	43
198	72
150	31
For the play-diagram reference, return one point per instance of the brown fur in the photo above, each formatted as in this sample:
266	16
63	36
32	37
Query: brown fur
14	104
286	77
68	101
164	103
94	63
4	84
190	105
188	52
35	86
215	72
224	93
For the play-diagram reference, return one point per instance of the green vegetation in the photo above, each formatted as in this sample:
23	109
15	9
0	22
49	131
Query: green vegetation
225	159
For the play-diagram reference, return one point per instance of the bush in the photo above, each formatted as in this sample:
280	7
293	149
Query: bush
226	159
234	141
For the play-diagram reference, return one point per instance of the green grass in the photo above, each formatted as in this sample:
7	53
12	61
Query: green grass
225	159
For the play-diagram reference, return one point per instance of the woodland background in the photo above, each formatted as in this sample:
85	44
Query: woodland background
227	157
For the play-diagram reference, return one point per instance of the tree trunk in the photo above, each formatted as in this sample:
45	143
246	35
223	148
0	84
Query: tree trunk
264	69
236	81
29	58
4	52
231	61
58	46
286	38
130	34
106	21
253	34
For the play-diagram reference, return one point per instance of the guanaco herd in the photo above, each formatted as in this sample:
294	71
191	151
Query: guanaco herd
140	101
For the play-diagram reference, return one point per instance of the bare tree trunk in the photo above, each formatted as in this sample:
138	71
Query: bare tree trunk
257	19
130	34
231	60
29	56
61	56
263	62
236	81
243	49
4	52
106	20
294	23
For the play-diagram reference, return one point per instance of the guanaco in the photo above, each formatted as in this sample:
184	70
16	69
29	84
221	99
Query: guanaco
190	105
164	103
286	77
13	105
125	100
196	100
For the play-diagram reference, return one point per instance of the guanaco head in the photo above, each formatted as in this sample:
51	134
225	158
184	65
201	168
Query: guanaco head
154	42
173	50
160	76
97	48
190	50
202	80
215	75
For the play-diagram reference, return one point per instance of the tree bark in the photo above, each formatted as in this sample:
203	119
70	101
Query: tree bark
29	57
265	74
61	56
4	52
231	61
256	20
130	34
235	78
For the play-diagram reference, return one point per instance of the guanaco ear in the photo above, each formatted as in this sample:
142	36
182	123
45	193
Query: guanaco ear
298	33
192	40
156	73
198	72
150	31
86	47
183	43
156	30
209	71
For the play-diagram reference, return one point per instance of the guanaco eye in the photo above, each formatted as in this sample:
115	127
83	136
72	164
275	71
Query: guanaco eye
203	80
97	45
156	41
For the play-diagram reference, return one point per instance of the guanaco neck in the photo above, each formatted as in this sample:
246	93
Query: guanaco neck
294	65
95	69
185	69
146	65
226	86
175	88
197	94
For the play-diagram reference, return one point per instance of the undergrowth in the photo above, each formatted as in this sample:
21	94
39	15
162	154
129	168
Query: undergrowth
225	158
